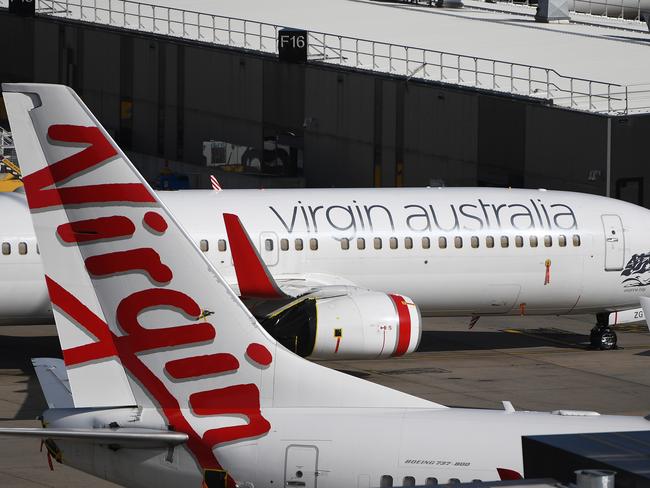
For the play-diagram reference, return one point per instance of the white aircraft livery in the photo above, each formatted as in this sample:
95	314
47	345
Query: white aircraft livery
174	382
450	251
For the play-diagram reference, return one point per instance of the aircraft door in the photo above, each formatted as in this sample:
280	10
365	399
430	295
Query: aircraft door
269	251
301	466
614	242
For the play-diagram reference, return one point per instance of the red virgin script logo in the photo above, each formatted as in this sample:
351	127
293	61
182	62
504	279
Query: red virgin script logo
240	400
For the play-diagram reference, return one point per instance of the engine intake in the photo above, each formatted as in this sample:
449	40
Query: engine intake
359	324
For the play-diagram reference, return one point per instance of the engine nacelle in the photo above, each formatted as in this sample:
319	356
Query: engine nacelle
346	323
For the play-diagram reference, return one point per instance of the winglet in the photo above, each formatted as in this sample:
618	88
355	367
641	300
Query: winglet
253	277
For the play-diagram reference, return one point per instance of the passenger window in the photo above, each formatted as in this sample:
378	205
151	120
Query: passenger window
268	244
313	244
386	481
561	240
361	243
408	481
6	248
408	243
519	241
377	242
548	241
431	481
489	241
284	244
533	241
392	242
221	245
576	240
204	245
426	243
458	242
505	242
298	244
22	248
345	244
474	241
454	481
442	242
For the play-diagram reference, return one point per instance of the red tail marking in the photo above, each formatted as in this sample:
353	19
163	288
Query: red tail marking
97	152
232	400
259	354
154	222
196	366
403	327
91	230
140	339
133	260
252	276
97	327
508	474
82	315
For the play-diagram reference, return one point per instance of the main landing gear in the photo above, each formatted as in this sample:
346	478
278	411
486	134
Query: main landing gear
602	335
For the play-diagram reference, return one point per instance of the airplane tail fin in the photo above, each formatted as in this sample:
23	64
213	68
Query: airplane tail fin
143	317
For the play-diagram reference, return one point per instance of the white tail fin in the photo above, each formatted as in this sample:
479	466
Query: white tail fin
142	315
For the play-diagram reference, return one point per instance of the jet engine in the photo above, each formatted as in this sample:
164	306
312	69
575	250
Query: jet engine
346	323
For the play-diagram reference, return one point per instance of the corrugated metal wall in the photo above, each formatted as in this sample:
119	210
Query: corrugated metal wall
164	97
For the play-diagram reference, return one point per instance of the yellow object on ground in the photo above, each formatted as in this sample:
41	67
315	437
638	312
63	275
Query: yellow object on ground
9	183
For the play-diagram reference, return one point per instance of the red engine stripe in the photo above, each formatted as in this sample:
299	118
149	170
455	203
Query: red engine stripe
404	325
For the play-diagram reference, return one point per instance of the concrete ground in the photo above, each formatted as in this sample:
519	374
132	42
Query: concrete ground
537	363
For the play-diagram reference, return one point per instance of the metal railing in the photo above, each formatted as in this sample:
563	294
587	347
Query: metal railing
623	9
410	62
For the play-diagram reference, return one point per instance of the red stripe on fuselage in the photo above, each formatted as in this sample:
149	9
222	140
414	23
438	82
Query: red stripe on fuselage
403	327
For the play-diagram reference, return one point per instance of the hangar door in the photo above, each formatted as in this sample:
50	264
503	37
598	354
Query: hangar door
614	243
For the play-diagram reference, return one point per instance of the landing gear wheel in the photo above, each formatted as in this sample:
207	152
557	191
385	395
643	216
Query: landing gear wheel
603	338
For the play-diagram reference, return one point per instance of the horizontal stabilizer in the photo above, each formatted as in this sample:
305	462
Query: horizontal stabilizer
128	438
53	379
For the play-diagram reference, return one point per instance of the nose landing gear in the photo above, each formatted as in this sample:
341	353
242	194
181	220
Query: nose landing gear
602	336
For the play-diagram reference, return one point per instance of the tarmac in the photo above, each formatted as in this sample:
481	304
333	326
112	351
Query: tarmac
537	363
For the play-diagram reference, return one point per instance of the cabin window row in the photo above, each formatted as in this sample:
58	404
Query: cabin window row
474	241
22	248
222	245
387	481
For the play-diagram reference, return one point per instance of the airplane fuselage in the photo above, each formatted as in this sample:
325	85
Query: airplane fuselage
454	251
